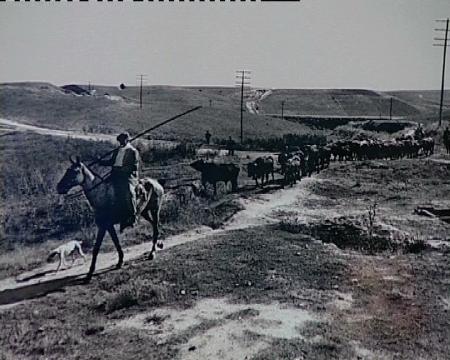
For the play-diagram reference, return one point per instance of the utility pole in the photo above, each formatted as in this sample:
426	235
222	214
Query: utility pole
445	45
243	80
141	78
390	109
282	110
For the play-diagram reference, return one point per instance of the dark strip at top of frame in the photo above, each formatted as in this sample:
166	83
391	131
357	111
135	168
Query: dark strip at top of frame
150	1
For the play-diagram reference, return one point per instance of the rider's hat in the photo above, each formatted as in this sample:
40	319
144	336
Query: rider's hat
123	136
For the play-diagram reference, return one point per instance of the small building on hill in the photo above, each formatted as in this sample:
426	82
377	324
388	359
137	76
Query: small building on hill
75	89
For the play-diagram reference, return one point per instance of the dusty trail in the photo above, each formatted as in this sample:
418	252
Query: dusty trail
17	126
257	96
7	126
258	210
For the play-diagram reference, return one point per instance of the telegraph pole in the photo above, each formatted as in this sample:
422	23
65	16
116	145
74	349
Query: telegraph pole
445	45
282	110
141	78
390	109
243	80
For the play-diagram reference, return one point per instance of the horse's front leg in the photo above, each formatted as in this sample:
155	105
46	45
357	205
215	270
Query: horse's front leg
98	243
115	240
153	220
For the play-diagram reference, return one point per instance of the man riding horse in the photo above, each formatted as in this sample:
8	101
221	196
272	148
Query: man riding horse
125	162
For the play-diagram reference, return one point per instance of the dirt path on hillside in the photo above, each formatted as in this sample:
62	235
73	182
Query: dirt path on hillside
261	209
258	95
10	125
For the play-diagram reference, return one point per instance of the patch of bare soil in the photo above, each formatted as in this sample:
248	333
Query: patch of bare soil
222	329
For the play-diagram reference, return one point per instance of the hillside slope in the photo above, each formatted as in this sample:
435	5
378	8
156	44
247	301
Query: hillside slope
334	102
111	110
47	105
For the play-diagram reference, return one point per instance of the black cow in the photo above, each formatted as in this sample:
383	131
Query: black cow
213	173
260	168
282	160
292	170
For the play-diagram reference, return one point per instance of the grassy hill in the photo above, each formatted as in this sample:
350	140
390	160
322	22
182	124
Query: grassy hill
111	110
425	101
48	105
335	102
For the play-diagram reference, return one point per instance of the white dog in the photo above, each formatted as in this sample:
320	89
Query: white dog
70	248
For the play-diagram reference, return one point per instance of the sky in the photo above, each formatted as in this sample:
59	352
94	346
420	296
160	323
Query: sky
371	44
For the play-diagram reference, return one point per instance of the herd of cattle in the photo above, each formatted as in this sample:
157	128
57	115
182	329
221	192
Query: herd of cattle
302	161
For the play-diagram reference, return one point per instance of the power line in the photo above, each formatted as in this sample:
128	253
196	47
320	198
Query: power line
445	44
242	80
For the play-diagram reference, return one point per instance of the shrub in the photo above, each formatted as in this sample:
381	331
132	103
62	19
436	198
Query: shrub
135	292
182	150
126	297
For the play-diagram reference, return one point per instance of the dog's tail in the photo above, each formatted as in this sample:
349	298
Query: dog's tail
52	255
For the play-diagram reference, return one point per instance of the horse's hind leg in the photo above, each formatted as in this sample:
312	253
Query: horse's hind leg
116	242
98	243
60	262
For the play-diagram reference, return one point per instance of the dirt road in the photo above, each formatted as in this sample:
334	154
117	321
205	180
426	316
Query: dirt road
258	210
13	126
10	125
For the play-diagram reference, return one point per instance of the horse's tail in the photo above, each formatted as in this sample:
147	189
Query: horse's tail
52	255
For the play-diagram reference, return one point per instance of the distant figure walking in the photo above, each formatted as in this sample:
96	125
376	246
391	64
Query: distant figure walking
207	137
125	176
231	145
446	139
418	133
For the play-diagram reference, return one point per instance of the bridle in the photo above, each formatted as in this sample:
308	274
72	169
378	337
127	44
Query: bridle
102	180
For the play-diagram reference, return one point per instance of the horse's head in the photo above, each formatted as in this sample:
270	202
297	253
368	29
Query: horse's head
73	176
198	165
